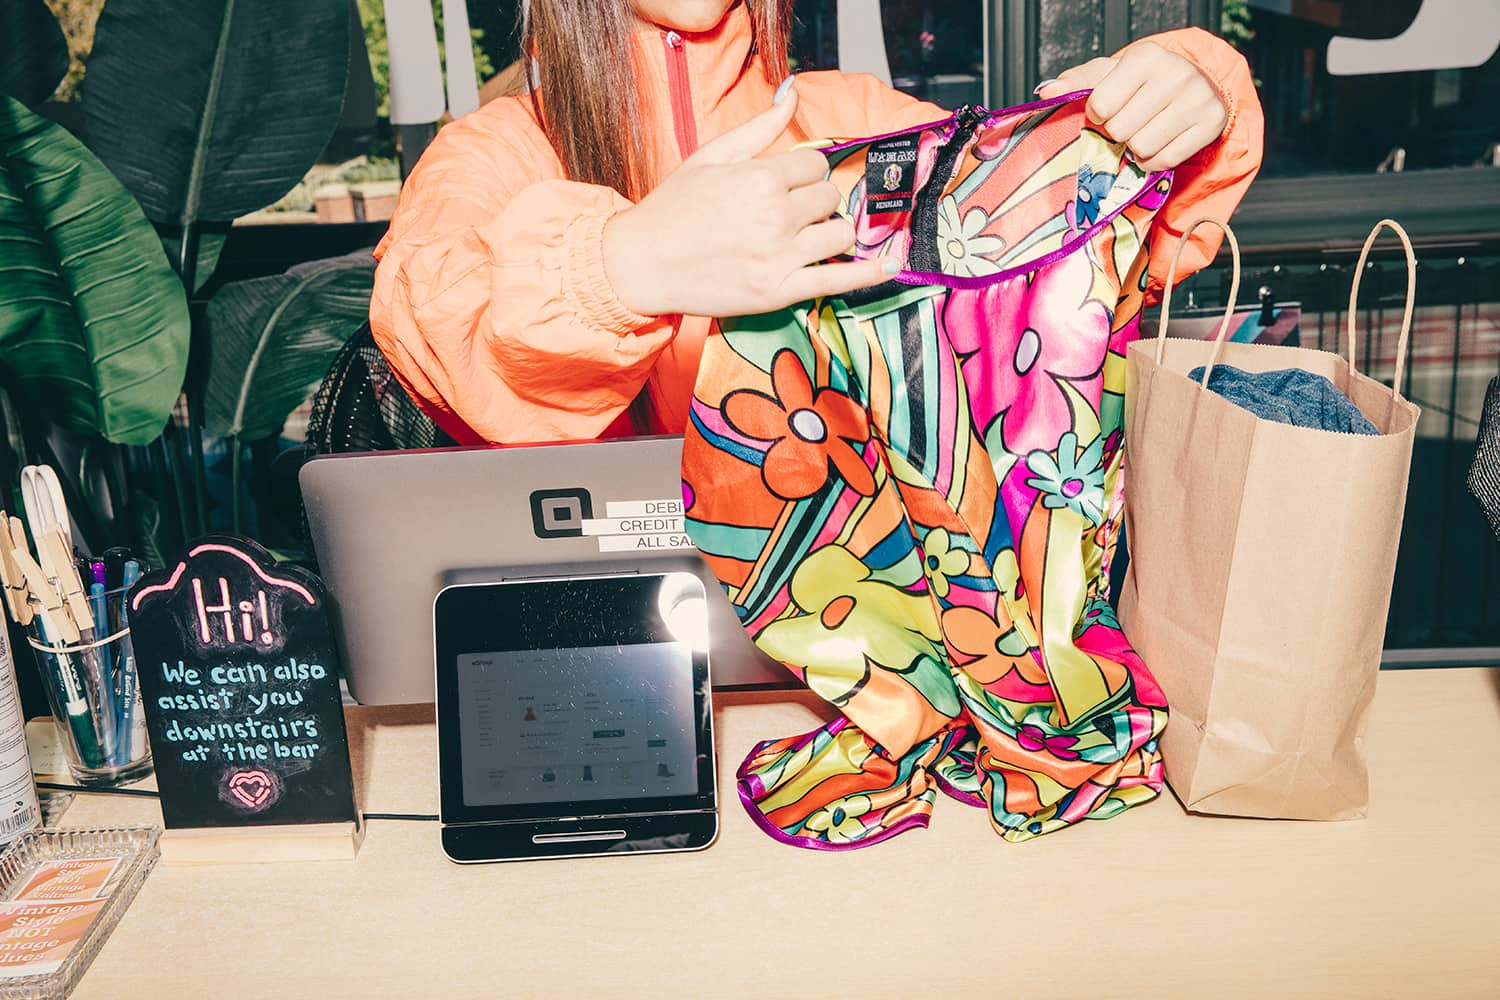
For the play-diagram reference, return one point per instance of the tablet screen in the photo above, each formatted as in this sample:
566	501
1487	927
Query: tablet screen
579	697
576	724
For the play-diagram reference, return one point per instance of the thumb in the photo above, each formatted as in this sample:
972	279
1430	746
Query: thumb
1085	77
755	135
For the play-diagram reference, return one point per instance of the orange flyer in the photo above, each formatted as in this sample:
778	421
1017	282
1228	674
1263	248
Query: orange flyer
36	938
71	878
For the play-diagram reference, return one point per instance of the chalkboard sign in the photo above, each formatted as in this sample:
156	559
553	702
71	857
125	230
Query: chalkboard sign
239	678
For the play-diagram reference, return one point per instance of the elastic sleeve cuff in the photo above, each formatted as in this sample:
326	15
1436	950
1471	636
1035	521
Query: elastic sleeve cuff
587	283
1215	58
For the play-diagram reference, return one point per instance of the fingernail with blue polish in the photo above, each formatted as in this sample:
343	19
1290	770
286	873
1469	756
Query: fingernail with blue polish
1044	84
783	90
891	266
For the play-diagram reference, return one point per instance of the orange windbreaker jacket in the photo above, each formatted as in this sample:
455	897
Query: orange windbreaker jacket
491	300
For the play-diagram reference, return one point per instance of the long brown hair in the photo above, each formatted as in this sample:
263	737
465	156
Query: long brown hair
585	91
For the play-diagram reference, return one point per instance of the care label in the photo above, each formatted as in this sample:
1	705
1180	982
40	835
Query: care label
891	174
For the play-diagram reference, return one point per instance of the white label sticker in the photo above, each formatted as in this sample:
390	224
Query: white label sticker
632	543
631	525
644	508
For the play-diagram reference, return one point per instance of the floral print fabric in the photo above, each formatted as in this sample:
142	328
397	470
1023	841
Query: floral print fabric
912	495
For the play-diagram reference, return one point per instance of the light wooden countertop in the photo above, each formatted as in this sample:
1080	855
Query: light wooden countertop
1154	903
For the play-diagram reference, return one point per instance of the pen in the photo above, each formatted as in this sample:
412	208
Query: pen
105	627
109	693
132	714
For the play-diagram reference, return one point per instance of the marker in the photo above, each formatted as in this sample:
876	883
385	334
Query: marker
80	719
114	567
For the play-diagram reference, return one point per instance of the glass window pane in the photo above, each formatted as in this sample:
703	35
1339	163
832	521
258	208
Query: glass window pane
935	48
1317	122
1150	17
1071	33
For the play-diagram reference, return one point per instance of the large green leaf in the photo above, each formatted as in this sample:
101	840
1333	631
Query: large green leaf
209	109
210	246
33	51
92	318
273	339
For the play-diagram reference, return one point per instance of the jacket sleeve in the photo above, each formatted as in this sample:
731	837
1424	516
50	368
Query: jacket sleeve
491	301
834	105
1213	180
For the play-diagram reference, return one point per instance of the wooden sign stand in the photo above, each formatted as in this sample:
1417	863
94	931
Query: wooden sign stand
289	842
239	679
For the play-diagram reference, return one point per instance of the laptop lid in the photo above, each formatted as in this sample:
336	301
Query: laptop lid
392	529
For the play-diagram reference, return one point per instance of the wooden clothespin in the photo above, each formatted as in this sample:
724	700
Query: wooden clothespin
57	559
54	611
17	594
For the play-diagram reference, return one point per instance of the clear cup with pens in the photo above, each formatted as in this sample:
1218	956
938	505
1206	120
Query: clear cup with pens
76	620
91	683
75	616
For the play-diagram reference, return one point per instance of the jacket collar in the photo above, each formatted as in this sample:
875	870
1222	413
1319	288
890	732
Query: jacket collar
716	61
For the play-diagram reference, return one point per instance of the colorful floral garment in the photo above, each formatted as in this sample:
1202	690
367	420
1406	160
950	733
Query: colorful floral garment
912	495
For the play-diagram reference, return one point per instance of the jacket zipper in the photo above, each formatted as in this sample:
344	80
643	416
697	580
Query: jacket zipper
924	254
681	91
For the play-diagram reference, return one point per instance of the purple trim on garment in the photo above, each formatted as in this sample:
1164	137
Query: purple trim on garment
1026	267
954	792
990	116
906	277
758	787
751	788
811	843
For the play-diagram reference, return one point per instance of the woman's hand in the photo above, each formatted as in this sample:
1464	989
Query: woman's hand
730	235
1154	101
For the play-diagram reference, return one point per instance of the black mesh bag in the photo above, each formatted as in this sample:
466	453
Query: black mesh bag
1484	474
361	407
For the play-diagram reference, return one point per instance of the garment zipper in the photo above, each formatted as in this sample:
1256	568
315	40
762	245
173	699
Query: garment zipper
681	91
924	254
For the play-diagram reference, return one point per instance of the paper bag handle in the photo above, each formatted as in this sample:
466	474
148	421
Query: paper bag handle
1234	295
1411	296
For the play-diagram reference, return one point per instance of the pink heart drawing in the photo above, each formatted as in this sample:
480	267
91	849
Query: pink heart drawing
252	788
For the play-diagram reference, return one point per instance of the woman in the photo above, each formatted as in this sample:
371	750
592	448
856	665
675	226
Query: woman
554	256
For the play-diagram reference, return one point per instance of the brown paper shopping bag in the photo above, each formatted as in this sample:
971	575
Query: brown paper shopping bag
1262	556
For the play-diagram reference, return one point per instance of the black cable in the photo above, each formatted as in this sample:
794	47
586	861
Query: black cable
85	790
415	817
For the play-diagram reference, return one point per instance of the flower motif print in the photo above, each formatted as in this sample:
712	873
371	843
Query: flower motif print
854	621
1097	611
996	655
810	431
1092	190
1019	339
941	560
1033	738
1074	480
839	822
963	248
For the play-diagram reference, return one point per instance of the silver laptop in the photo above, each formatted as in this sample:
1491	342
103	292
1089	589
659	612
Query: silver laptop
391	529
